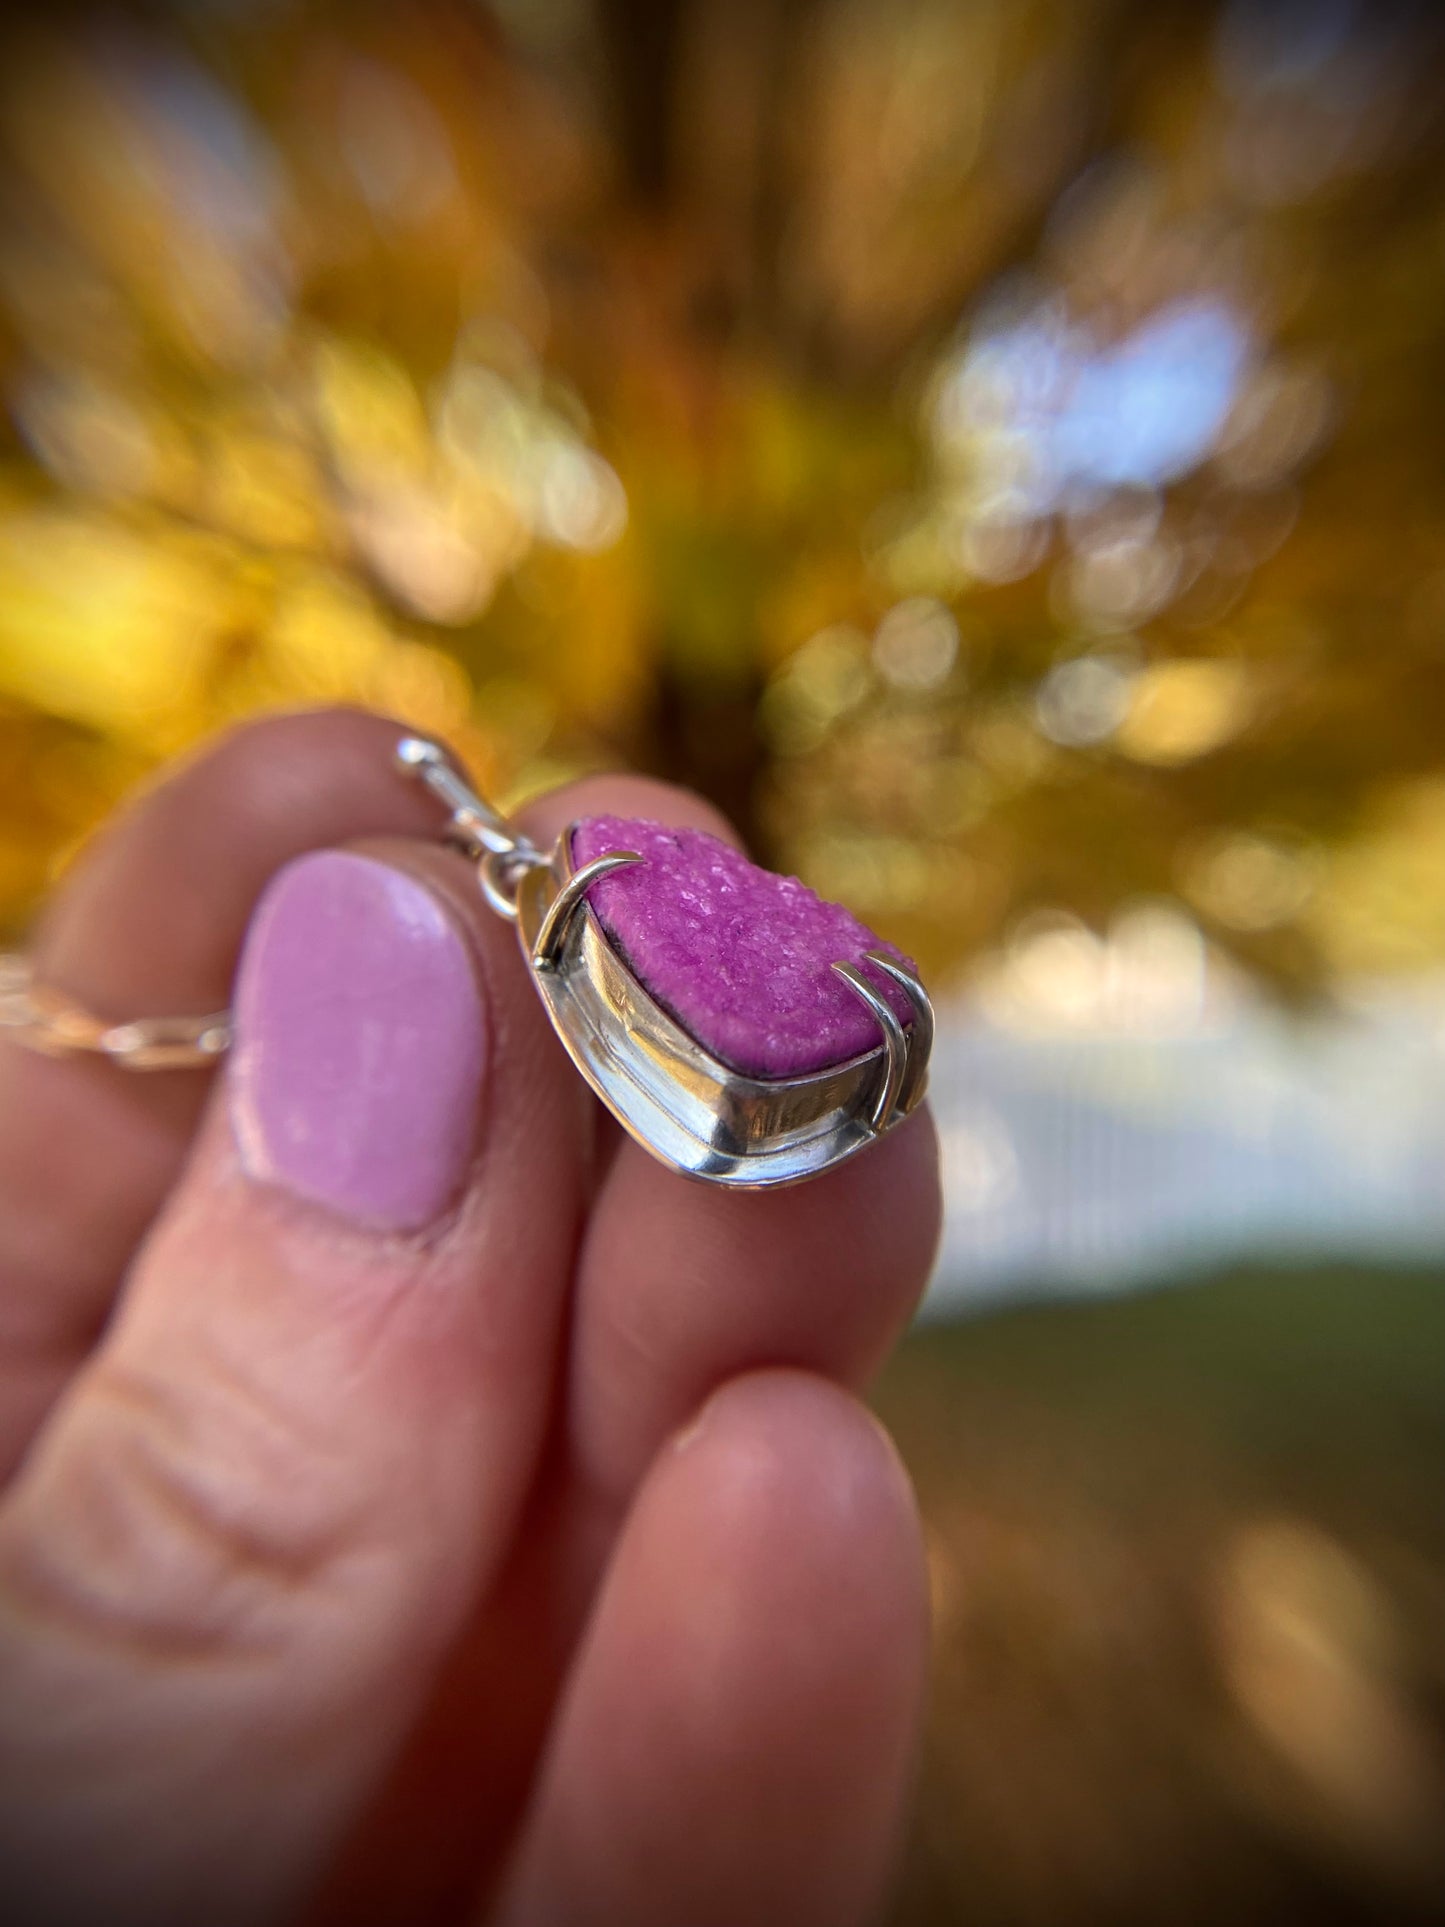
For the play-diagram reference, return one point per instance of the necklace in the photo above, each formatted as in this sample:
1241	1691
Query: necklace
742	1029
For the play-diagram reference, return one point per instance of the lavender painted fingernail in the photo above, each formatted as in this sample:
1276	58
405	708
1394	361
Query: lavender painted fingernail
360	1043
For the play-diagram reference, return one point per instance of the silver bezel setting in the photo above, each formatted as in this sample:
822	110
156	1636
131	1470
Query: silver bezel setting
689	1109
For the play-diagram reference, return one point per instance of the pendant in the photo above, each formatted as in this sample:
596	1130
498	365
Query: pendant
742	1029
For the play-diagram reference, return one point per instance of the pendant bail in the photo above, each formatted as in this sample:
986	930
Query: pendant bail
502	854
475	826
682	1072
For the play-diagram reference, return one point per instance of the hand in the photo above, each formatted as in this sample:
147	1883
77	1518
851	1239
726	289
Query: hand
420	1505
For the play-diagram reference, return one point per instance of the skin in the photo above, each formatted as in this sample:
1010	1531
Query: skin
540	1568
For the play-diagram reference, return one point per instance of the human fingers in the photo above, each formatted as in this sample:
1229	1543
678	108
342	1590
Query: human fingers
679	1288
245	1537
452	1799
682	1285
737	1739
149	921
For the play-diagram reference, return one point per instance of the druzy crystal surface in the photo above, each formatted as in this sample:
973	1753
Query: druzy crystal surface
740	957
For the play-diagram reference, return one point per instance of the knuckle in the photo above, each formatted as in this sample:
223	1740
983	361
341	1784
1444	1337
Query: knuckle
166	1522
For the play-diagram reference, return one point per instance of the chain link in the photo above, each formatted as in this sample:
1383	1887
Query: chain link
46	1021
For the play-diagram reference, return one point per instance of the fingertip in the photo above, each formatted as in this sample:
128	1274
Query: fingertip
623	794
803	1484
781	1447
739	1739
305	760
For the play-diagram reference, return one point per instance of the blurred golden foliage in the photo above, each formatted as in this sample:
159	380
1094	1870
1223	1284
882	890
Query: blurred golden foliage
990	449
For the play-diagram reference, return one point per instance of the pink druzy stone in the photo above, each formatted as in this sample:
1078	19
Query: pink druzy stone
740	957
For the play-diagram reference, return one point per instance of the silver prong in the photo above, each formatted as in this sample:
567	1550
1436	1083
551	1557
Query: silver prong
475	825
894	1040
920	1031
560	911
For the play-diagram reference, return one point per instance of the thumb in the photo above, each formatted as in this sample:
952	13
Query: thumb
235	1555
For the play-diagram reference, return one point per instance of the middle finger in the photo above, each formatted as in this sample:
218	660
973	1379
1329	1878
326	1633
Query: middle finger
683	1284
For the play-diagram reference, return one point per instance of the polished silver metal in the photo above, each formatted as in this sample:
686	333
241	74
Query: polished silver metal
475	826
920	1031
502	874
568	901
895	1042
44	1020
693	1112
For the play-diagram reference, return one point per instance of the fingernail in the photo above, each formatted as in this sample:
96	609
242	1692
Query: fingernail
361	1043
